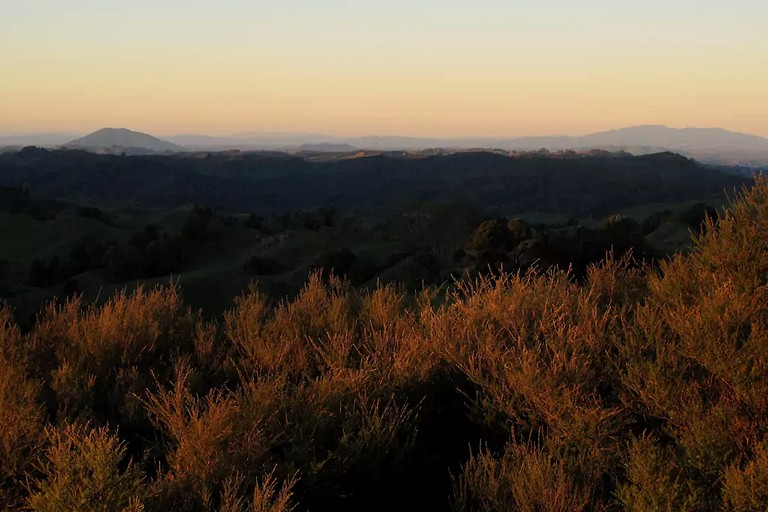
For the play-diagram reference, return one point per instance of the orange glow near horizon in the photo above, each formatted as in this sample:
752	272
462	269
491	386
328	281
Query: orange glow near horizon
383	72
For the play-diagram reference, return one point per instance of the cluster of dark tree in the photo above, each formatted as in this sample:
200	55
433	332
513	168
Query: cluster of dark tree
154	252
270	225
632	388
422	265
515	244
151	252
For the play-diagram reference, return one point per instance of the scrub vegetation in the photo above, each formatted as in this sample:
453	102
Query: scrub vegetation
629	387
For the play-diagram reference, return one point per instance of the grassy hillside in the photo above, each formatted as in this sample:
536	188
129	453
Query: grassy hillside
77	222
629	389
57	249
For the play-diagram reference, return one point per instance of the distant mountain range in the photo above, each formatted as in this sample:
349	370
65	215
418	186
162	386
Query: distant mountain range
713	145
44	140
706	144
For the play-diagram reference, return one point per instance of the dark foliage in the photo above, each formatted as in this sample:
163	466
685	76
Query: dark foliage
262	183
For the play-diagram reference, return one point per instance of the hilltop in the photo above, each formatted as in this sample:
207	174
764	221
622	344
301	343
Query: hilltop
122	140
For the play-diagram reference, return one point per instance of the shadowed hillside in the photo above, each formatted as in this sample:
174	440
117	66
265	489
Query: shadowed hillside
75	222
580	185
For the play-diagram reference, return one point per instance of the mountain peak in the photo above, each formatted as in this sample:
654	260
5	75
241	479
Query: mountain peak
113	140
115	131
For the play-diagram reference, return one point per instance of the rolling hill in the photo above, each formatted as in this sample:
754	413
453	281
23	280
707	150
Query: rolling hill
579	184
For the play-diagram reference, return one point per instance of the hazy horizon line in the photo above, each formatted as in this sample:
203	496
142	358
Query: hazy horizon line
246	134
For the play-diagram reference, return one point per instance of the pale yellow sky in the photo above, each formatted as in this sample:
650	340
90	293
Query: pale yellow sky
449	68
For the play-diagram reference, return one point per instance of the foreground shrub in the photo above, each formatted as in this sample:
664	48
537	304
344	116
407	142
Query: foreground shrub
266	497
21	415
656	480
100	358
696	354
745	486
541	349
208	439
524	478
81	470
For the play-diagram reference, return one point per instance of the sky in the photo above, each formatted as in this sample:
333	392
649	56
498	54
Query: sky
390	67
